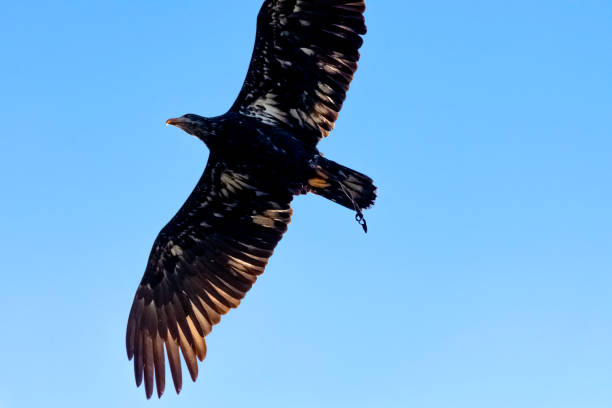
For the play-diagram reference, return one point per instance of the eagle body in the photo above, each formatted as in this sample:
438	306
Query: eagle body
263	152
248	143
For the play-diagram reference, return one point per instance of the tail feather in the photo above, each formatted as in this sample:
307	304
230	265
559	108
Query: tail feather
342	185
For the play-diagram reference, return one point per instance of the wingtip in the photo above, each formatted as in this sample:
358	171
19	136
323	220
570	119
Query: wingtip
148	388
138	381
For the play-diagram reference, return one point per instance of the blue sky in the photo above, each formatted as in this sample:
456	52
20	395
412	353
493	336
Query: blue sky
484	280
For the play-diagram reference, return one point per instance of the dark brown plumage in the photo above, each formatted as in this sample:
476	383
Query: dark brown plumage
263	152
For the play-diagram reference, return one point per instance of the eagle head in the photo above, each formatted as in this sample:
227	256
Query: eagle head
195	125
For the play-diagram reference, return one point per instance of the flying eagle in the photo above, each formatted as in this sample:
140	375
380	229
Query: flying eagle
263	151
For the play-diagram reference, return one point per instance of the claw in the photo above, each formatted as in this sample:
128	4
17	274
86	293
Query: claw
361	221
359	216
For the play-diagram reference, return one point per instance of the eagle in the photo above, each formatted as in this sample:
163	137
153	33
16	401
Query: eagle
263	152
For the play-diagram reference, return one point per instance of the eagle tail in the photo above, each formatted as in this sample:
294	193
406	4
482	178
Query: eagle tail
342	185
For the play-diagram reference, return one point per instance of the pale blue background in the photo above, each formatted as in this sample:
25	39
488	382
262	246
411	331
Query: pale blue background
485	280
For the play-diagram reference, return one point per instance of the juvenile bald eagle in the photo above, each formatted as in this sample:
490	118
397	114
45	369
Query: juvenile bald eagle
263	151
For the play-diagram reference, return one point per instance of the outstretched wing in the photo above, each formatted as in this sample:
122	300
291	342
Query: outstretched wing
305	55
201	265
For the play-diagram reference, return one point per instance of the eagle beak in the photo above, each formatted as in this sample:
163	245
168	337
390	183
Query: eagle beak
173	121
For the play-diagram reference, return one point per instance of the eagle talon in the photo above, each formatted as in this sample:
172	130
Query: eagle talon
361	221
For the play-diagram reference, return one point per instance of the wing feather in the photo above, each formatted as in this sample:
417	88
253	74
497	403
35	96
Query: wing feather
304	59
202	264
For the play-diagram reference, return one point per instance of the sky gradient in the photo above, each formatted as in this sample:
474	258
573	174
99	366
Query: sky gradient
485	278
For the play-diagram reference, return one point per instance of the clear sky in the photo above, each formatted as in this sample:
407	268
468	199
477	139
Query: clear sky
485	280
